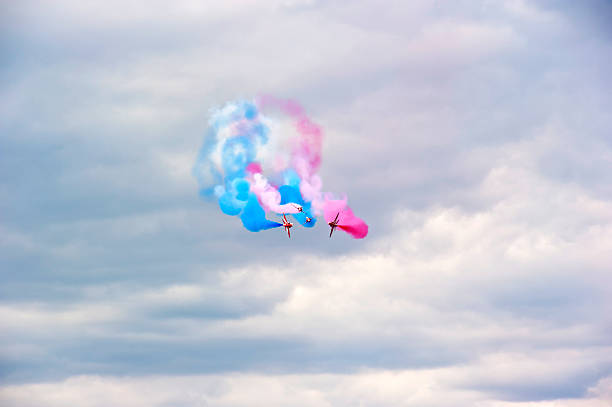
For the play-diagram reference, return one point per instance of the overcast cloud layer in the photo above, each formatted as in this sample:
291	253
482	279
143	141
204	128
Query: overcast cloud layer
484	129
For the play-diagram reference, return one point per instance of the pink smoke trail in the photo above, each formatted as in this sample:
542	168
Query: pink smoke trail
306	151
347	221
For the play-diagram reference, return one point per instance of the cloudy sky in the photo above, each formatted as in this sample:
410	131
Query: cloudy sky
473	136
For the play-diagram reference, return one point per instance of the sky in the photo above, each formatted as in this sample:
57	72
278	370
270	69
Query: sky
472	136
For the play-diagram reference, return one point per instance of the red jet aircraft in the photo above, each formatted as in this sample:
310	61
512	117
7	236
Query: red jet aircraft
333	224
287	225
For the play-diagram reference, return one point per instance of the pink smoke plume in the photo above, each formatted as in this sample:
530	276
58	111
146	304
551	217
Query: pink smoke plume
306	151
347	221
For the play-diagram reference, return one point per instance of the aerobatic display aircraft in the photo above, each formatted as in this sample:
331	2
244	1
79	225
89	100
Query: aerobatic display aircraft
287	225
333	224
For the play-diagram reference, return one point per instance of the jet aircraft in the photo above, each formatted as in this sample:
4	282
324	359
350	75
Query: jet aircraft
287	225
333	224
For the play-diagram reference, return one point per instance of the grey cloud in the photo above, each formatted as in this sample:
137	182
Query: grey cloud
472	137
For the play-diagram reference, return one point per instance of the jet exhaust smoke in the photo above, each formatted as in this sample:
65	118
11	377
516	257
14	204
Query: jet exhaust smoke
254	164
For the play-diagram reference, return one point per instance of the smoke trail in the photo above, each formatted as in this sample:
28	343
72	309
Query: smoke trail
254	218
253	165
347	221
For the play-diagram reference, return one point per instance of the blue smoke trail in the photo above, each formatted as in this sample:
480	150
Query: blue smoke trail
254	218
225	179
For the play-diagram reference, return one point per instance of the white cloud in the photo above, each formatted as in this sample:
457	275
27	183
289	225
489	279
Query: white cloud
530	12
485	280
482	293
423	388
